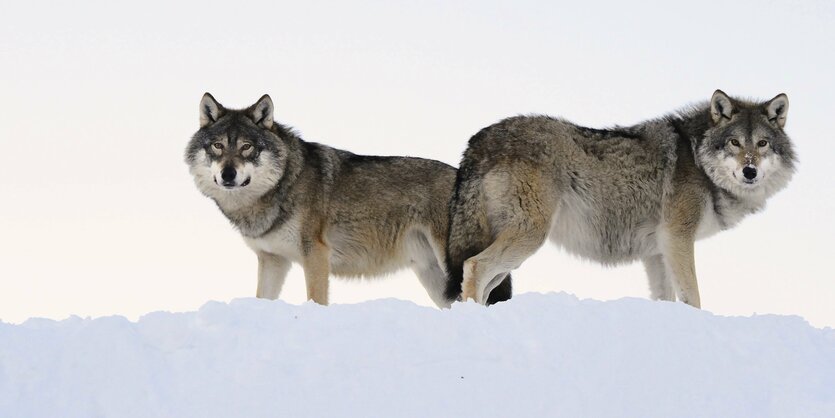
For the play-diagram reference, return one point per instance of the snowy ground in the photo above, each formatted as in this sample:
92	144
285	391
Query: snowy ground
539	355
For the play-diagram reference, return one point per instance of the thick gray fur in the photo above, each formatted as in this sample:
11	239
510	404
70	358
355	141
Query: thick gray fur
644	192
329	210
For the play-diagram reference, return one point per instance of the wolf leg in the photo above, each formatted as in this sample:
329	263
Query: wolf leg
433	279
272	270
681	268
316	271
520	202
488	291
429	263
660	286
506	253
502	292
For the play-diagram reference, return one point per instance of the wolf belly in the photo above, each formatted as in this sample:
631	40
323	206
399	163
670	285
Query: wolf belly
352	258
597	234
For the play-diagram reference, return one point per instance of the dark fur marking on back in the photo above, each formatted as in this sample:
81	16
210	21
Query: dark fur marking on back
611	133
354	158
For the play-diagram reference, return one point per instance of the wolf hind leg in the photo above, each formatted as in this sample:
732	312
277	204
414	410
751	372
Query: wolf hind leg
520	201
428	261
502	292
660	285
498	290
506	253
432	277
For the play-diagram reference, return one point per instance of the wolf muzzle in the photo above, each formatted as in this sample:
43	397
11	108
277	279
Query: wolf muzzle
749	172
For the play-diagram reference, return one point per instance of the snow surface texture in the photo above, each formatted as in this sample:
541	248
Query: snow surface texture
536	356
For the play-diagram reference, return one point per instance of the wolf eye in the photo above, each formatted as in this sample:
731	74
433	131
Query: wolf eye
246	147
762	143
218	145
734	142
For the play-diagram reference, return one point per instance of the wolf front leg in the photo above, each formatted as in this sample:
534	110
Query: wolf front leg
681	214
660	286
316	265
272	270
680	266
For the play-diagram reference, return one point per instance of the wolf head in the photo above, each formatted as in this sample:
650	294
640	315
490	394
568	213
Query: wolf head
236	155
745	150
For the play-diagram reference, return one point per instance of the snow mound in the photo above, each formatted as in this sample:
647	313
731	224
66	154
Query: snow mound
538	355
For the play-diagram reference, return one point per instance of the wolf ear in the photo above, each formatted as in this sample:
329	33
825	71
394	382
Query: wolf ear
721	107
777	108
262	112
210	110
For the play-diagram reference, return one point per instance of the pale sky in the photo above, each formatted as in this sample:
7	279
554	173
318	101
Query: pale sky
99	214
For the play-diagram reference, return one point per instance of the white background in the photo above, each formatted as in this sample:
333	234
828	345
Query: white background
97	101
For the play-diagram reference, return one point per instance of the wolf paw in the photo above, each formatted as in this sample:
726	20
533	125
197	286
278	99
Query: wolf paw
468	290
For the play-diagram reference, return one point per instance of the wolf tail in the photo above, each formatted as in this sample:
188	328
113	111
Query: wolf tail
469	231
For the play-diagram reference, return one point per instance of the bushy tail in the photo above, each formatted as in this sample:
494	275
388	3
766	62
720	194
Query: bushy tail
469	232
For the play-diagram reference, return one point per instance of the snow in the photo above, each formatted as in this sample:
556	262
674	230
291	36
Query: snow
538	355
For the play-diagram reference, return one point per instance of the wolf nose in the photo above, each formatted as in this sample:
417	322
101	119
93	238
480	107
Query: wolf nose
749	172
228	173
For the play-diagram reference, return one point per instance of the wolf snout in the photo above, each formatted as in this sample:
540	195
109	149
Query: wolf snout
228	178
228	175
749	172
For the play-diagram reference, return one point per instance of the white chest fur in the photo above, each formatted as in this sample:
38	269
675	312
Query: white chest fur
284	241
709	224
732	213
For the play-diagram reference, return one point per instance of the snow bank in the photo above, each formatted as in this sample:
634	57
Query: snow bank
539	355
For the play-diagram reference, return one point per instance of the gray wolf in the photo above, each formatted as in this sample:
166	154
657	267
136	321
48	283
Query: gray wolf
331	211
644	192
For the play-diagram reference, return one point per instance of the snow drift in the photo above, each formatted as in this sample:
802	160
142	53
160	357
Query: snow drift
538	355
